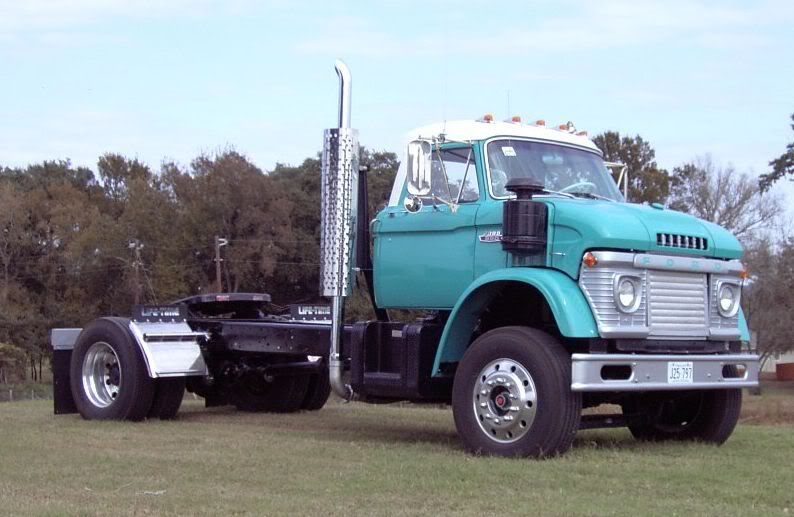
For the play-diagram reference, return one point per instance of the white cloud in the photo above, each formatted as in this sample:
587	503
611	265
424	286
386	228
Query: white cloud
605	24
19	17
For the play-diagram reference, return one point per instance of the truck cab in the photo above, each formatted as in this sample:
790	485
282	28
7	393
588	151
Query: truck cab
503	225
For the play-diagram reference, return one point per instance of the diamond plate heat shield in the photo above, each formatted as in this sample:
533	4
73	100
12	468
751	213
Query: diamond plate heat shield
338	205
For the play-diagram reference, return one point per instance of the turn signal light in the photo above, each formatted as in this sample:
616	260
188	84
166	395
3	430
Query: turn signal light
743	274
589	259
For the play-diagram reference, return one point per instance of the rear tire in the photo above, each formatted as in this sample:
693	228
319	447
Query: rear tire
168	395
109	379
284	394
318	391
512	395
705	415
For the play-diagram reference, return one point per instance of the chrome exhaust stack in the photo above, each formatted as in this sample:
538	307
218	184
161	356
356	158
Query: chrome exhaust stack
338	212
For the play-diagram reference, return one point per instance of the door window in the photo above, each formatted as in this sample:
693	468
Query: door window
460	184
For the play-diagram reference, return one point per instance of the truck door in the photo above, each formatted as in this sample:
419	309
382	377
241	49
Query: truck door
425	259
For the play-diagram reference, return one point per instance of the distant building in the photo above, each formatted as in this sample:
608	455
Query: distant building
779	365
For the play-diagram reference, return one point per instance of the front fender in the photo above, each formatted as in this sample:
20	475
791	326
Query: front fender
568	305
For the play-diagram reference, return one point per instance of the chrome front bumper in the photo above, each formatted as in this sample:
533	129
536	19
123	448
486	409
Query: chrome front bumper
650	372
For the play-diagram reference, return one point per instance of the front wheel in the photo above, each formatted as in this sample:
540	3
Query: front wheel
512	395
704	415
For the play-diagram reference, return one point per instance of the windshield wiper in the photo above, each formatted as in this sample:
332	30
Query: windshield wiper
590	195
558	193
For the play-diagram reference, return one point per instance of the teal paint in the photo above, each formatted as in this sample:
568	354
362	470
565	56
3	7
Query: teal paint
584	224
567	303
425	260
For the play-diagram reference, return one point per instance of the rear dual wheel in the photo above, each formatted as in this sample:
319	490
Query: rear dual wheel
512	395
282	394
109	378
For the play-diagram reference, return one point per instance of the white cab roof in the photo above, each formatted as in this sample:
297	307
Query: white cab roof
466	130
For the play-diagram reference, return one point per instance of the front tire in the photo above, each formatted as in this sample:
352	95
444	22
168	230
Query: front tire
512	395
109	379
704	415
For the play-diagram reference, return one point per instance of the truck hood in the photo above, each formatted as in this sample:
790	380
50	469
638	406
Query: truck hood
582	224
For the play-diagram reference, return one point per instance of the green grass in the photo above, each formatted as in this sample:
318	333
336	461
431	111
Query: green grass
359	459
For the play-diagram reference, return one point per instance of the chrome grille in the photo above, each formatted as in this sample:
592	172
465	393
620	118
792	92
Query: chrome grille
598	287
716	320
677	304
673	240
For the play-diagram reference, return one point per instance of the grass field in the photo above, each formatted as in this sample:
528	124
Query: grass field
376	460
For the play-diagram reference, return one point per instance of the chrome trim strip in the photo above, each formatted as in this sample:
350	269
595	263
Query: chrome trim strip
173	336
668	262
613	258
729	334
649	372
686	264
624	332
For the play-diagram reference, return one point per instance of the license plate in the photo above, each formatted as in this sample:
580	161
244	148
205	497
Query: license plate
679	372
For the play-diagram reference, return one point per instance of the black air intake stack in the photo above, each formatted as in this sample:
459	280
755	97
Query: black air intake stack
525	222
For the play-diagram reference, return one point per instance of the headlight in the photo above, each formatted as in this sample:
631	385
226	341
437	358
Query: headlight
627	293
727	299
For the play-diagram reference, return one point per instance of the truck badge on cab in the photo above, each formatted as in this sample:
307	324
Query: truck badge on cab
492	236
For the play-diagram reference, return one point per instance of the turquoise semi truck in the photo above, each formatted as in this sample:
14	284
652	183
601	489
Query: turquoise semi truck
541	290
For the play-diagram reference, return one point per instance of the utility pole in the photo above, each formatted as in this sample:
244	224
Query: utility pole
136	246
219	242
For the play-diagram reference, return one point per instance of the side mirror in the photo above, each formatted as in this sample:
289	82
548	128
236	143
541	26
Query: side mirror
412	203
623	177
419	167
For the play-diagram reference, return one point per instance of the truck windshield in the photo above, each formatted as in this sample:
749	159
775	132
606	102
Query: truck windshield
558	168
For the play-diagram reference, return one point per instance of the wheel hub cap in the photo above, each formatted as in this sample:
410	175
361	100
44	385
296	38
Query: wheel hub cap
504	400
101	374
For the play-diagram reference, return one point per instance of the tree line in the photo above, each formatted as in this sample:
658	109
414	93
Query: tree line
77	242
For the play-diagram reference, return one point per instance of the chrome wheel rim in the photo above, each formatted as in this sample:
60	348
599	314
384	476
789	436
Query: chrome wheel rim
101	374
505	400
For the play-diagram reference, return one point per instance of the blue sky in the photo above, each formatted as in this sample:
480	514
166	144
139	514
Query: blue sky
170	79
